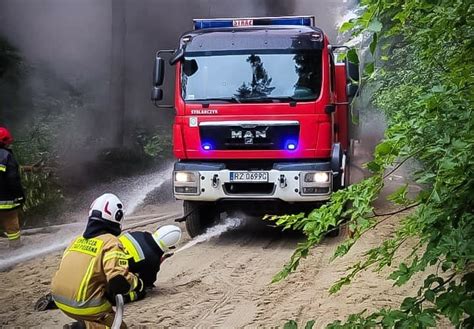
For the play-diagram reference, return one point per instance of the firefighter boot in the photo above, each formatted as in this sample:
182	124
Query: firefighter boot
15	244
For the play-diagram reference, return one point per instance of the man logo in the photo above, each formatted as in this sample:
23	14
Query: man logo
248	135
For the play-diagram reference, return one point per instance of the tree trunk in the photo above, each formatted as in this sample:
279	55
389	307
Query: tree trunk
117	72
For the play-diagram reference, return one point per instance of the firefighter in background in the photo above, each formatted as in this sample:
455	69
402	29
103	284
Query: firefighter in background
94	268
11	191
148	251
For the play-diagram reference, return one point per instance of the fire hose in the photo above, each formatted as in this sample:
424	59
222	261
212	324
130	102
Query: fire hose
118	312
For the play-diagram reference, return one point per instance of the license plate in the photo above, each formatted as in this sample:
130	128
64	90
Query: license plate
254	176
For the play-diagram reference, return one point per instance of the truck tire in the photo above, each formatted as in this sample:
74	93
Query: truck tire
201	216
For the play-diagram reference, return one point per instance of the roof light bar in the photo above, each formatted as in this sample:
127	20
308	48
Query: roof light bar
252	21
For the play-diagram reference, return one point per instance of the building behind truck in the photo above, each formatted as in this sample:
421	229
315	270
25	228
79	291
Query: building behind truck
262	117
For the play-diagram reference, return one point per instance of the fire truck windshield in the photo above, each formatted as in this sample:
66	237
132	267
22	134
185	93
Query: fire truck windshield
251	77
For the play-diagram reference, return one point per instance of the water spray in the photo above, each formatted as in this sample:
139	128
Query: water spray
228	224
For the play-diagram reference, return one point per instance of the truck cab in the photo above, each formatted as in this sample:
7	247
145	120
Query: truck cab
262	117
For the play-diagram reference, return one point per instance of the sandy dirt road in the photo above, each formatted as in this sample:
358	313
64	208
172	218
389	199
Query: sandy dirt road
223	282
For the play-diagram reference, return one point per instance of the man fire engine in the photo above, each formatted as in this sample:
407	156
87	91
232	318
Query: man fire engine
262	120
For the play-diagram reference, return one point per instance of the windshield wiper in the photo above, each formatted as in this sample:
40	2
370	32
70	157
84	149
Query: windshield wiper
220	99
282	99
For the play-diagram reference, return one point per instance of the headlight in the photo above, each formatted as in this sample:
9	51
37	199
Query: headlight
184	177
317	177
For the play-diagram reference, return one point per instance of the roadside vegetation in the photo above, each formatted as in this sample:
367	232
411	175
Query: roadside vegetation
421	67
59	144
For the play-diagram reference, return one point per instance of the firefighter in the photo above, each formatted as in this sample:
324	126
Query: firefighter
94	268
148	251
11	191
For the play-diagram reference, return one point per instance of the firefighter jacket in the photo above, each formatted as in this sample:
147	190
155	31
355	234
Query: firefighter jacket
145	255
11	191
94	268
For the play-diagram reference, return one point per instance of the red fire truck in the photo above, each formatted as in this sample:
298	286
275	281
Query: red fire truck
262	118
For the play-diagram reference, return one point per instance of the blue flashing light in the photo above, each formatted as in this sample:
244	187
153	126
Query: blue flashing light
207	146
291	145
200	24
240	22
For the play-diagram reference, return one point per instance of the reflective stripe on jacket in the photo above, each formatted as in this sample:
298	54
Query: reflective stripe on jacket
79	286
145	255
11	191
132	247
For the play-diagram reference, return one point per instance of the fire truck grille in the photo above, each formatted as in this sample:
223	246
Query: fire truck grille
261	137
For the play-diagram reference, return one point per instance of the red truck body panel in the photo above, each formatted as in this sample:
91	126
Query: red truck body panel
316	126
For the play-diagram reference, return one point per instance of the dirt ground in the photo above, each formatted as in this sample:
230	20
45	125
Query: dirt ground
225	283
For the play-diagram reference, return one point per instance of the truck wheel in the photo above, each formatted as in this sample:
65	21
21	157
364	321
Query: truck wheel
199	219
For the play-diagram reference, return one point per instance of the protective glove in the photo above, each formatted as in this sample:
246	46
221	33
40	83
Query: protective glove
136	294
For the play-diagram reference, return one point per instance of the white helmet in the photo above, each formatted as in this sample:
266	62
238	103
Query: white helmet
167	236
107	207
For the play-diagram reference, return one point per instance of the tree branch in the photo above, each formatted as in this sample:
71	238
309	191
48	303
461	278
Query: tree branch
396	212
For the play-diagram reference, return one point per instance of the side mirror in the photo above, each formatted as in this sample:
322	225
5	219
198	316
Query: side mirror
156	94
352	70
158	71
351	89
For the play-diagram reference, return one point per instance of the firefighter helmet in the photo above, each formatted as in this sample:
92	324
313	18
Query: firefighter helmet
5	136
167	237
107	207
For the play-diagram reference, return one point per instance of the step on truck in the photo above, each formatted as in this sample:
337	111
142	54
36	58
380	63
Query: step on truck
262	117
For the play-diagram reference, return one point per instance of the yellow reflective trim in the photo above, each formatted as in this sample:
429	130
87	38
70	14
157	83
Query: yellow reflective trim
115	254
13	236
133	296
135	283
81	293
130	248
86	310
87	246
9	206
3	168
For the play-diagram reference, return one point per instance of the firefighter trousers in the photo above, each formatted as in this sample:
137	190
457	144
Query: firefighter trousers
97	321
10	223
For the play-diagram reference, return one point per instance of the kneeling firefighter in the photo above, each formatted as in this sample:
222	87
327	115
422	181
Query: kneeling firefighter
148	251
94	268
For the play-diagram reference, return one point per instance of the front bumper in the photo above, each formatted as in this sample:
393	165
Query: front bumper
286	182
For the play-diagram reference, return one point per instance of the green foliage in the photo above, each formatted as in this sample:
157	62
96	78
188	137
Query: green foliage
41	191
422	68
41	188
157	144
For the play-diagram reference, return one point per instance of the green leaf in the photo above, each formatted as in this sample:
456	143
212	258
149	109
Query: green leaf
408	304
373	44
384	148
375	26
400	195
352	56
430	295
373	166
291	324
468	307
369	68
428	320
346	26
309	324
